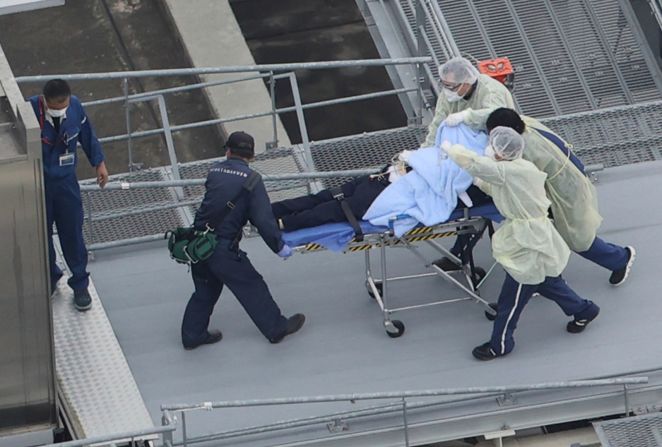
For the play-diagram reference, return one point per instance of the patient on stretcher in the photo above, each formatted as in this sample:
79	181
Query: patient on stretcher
436	183
333	205
326	206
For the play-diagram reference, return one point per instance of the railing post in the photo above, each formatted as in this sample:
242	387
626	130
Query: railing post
274	116
167	436
626	398
127	119
184	437
420	25
404	419
656	10
302	121
165	121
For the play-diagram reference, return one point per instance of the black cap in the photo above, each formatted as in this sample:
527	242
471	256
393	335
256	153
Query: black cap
241	144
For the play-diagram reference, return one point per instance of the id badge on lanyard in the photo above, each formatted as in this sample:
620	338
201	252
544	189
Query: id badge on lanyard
67	159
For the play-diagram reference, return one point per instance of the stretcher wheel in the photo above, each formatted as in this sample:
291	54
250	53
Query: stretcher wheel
394	328
379	289
490	316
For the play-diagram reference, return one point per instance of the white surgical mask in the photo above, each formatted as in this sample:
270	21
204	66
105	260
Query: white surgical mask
489	152
451	96
57	113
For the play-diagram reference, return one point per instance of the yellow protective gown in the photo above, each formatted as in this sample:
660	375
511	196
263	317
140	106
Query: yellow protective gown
489	94
527	245
573	196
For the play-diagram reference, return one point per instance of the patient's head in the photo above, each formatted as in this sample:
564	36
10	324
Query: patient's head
506	118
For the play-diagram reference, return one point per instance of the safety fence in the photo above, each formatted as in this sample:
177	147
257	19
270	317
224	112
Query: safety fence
141	206
398	412
122	217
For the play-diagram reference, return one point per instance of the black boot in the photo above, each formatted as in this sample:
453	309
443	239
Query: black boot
82	299
446	264
294	323
212	337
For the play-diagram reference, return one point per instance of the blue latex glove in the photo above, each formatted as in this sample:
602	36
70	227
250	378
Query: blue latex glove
285	252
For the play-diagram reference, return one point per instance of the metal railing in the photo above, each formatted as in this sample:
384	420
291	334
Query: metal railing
656	9
269	72
264	71
400	404
113	439
173	416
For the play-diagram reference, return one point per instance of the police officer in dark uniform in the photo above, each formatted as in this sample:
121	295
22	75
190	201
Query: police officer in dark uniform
64	124
227	182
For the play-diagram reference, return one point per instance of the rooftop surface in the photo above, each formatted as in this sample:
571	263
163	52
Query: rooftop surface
343	347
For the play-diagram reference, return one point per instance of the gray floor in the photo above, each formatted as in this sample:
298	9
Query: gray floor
343	347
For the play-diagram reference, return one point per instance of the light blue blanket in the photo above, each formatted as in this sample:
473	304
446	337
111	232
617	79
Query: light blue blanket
427	194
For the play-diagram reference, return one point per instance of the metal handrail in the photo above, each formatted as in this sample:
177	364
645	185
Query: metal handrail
166	129
164	429
400	404
232	69
656	9
163	91
196	124
201	181
401	394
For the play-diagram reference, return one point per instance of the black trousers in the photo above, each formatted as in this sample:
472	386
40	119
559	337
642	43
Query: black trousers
463	241
317	209
230	267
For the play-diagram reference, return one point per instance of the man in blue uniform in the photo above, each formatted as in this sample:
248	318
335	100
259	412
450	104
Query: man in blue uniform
234	195
64	124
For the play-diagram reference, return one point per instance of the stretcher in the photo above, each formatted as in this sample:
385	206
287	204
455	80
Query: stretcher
468	224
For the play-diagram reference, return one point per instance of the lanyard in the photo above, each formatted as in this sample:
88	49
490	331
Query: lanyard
570	156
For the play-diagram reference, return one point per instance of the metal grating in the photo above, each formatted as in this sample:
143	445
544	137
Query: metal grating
553	57
592	55
503	29
636	431
276	161
363	151
569	56
626	50
614	137
108	202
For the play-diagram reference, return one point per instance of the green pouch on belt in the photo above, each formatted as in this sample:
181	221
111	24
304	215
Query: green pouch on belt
189	246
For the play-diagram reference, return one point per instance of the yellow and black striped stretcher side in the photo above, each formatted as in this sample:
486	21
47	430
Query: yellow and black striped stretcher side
376	240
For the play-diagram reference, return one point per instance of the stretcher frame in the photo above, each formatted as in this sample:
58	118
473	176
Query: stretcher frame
377	285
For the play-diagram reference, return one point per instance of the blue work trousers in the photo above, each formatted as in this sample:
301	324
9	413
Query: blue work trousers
229	266
610	256
514	297
65	208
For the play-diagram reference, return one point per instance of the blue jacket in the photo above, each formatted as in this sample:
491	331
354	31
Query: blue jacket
75	128
224	181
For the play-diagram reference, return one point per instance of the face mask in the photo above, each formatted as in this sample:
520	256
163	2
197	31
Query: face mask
57	113
489	152
451	96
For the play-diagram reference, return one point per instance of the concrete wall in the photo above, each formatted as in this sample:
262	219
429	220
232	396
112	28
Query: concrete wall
212	37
